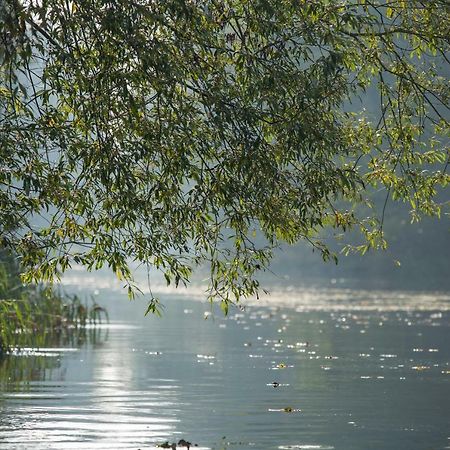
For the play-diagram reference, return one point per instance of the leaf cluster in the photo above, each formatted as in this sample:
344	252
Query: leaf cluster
185	132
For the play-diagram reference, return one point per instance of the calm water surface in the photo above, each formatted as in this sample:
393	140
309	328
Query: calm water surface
350	376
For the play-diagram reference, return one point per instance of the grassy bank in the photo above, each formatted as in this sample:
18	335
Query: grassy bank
29	314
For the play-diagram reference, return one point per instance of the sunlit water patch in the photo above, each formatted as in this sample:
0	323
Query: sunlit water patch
290	296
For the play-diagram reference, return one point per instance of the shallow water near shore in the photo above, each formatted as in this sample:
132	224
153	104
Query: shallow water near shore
305	373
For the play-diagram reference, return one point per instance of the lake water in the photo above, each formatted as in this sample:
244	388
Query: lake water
307	369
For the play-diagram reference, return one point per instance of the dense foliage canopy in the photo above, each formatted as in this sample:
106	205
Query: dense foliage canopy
175	132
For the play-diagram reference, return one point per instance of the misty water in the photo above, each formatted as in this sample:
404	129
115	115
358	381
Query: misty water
305	369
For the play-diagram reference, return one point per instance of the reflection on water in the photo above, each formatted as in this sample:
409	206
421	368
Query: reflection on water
40	362
289	376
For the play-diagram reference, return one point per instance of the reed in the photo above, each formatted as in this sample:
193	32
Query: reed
28	314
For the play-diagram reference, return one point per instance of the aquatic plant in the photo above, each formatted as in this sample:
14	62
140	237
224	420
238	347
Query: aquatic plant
29	313
44	311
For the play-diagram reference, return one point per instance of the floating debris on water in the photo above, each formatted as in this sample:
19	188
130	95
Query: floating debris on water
287	409
182	443
275	384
